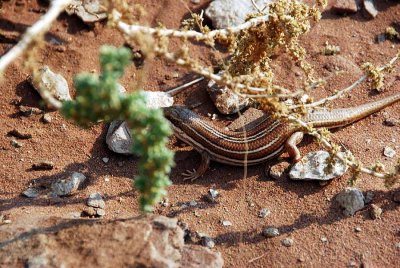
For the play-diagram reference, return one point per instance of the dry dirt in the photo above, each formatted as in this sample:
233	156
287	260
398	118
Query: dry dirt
303	211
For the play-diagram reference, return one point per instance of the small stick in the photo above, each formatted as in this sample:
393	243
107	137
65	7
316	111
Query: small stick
177	90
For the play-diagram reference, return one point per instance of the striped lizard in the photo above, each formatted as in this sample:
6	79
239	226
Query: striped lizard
266	140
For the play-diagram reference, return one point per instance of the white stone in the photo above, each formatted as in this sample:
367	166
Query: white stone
370	8
313	167
229	13
158	99
88	10
53	83
389	152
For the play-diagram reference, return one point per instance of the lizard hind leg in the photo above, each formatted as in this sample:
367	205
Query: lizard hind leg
291	145
194	174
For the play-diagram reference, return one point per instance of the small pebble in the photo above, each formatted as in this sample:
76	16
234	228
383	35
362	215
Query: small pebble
389	152
207	241
375	212
270	232
31	193
43	165
212	195
396	196
15	144
357	229
324	239
277	171
397	245
96	200
193	203
226	223
46	118
288	242
264	212
89	211
195	1
106	159
7	221
100	212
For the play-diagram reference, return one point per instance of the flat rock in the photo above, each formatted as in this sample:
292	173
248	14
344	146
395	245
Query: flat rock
31	192
134	242
230	13
53	83
88	10
68	185
313	166
345	6
351	200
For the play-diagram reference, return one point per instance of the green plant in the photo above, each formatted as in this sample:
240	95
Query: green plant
99	100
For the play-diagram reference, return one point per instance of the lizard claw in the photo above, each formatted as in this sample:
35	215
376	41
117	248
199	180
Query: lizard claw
190	175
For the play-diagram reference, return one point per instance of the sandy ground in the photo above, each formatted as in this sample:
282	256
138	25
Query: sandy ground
303	211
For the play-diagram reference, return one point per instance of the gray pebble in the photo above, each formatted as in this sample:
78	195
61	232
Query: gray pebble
264	212
193	203
100	212
288	242
195	1
47	118
389	152
95	200
31	193
351	200
212	195
15	144
270	232
358	229
207	241
68	185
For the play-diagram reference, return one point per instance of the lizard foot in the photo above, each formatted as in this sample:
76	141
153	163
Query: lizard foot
190	175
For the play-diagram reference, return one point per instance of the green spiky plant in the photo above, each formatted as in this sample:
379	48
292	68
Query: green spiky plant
98	99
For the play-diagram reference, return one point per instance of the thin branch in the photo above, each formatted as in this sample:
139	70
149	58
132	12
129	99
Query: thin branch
131	30
345	90
33	32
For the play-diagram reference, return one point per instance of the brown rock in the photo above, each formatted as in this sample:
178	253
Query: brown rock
375	212
137	242
345	6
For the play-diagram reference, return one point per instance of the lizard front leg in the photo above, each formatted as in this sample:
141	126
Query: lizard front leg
194	174
291	145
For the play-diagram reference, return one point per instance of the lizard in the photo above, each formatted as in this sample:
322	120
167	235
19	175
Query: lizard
264	141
